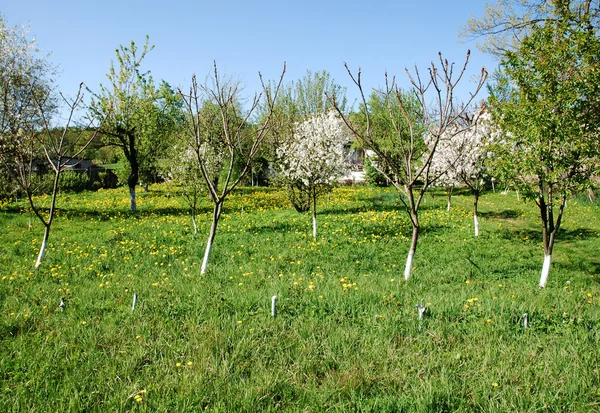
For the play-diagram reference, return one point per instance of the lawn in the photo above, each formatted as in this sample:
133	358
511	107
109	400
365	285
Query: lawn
346	336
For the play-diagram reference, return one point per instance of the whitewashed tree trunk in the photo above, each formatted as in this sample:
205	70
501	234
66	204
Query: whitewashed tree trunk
476	224
211	237
411	253
545	270
314	210
43	247
195	224
448	205
132	199
206	255
408	267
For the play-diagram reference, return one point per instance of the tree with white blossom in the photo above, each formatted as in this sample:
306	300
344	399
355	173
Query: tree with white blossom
315	154
462	154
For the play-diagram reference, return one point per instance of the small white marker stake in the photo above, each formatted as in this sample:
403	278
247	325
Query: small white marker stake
134	302
525	321
274	306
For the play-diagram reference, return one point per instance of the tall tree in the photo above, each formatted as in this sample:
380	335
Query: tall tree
234	141
138	114
547	106
402	129
505	23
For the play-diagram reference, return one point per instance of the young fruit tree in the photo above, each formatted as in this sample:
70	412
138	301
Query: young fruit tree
315	155
403	129
222	138
463	157
299	101
59	150
546	103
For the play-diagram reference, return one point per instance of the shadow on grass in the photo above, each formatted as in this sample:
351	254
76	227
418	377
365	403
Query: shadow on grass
536	234
505	214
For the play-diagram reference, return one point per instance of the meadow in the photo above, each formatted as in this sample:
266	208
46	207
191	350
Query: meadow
346	336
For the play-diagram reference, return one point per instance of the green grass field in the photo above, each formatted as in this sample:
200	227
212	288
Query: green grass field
346	336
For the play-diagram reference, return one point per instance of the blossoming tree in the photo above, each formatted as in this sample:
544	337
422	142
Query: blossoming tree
315	154
462	154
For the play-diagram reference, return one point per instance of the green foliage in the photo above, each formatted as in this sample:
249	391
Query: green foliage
139	117
346	337
373	176
548	109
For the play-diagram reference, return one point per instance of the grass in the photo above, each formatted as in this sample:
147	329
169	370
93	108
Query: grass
346	337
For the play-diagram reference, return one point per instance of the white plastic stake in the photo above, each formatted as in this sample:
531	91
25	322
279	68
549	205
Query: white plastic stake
274	306
525	321
134	302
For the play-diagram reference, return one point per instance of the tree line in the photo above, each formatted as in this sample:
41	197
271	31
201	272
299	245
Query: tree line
537	132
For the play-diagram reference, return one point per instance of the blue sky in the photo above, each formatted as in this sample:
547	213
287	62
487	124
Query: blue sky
245	37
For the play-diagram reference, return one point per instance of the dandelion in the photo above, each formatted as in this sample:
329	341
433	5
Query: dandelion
189	363
83	323
495	384
177	364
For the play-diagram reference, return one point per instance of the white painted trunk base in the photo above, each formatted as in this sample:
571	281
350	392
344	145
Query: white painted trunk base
476	222
448	206
195	225
132	199
41	254
314	226
408	268
206	255
545	270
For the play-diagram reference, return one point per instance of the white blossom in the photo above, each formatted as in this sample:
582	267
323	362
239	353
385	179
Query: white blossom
315	154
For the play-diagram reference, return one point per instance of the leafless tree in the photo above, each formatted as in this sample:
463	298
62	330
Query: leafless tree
402	129
221	136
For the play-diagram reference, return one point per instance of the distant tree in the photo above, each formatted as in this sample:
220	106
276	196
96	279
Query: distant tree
403	130
139	116
548	109
463	157
234	141
182	169
315	155
299	101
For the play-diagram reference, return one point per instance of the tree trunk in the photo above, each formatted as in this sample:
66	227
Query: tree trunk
48	224
194	223
411	252
132	199
545	270
314	211
475	220
43	247
449	190
211	237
